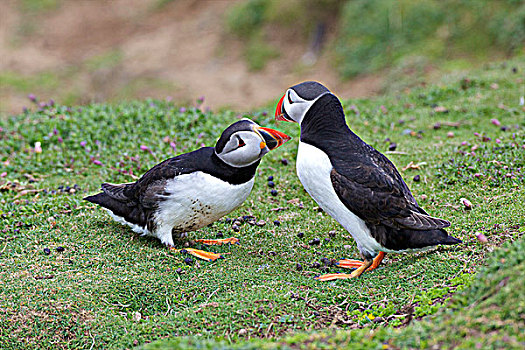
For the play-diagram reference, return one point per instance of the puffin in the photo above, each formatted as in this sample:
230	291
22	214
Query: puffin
354	183
192	190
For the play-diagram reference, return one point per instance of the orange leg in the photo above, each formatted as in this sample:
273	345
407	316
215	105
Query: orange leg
201	254
360	266
208	256
354	264
218	241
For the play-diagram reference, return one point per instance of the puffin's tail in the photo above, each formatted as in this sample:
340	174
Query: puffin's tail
449	240
427	238
116	206
113	198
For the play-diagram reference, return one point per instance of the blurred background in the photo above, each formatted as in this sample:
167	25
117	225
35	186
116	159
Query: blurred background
242	54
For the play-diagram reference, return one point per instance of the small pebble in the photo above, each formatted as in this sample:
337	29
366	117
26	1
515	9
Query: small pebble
179	270
466	203
326	240
392	146
60	249
277	223
188	261
437	126
227	220
236	228
450	134
514	70
220	234
315	265
271	184
417	178
332	233
260	223
298	267
324	269
481	237
273	193
300	234
270	178
325	261
495	121
272	253
315	241
284	161
47	251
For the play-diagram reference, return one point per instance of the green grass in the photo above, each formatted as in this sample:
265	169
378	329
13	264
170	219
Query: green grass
113	289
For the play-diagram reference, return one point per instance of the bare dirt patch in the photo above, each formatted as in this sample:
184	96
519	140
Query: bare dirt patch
179	50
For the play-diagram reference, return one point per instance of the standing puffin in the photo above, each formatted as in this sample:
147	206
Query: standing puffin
192	190
354	183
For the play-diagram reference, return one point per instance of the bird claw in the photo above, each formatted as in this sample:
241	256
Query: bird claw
201	254
231	240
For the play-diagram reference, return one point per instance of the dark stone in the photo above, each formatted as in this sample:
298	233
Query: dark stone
392	146
315	241
315	265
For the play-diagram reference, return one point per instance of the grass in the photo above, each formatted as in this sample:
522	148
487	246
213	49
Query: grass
110	288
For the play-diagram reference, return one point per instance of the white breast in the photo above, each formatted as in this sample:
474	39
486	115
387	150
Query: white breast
313	169
196	200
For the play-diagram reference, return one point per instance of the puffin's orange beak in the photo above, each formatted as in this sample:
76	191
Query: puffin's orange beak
273	138
279	112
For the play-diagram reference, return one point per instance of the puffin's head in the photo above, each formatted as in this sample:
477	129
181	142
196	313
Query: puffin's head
244	142
298	99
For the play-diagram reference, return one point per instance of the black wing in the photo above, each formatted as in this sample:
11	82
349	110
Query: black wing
150	186
372	188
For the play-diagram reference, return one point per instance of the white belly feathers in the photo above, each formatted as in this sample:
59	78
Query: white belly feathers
192	202
198	199
313	169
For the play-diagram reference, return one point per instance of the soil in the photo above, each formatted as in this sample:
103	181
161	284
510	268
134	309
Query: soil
182	47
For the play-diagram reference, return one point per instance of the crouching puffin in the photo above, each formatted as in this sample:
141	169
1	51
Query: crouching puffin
354	183
192	190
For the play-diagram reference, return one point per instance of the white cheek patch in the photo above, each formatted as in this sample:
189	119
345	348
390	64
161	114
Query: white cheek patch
299	106
246	155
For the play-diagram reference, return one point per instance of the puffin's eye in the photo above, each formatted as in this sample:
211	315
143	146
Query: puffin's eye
290	97
241	142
